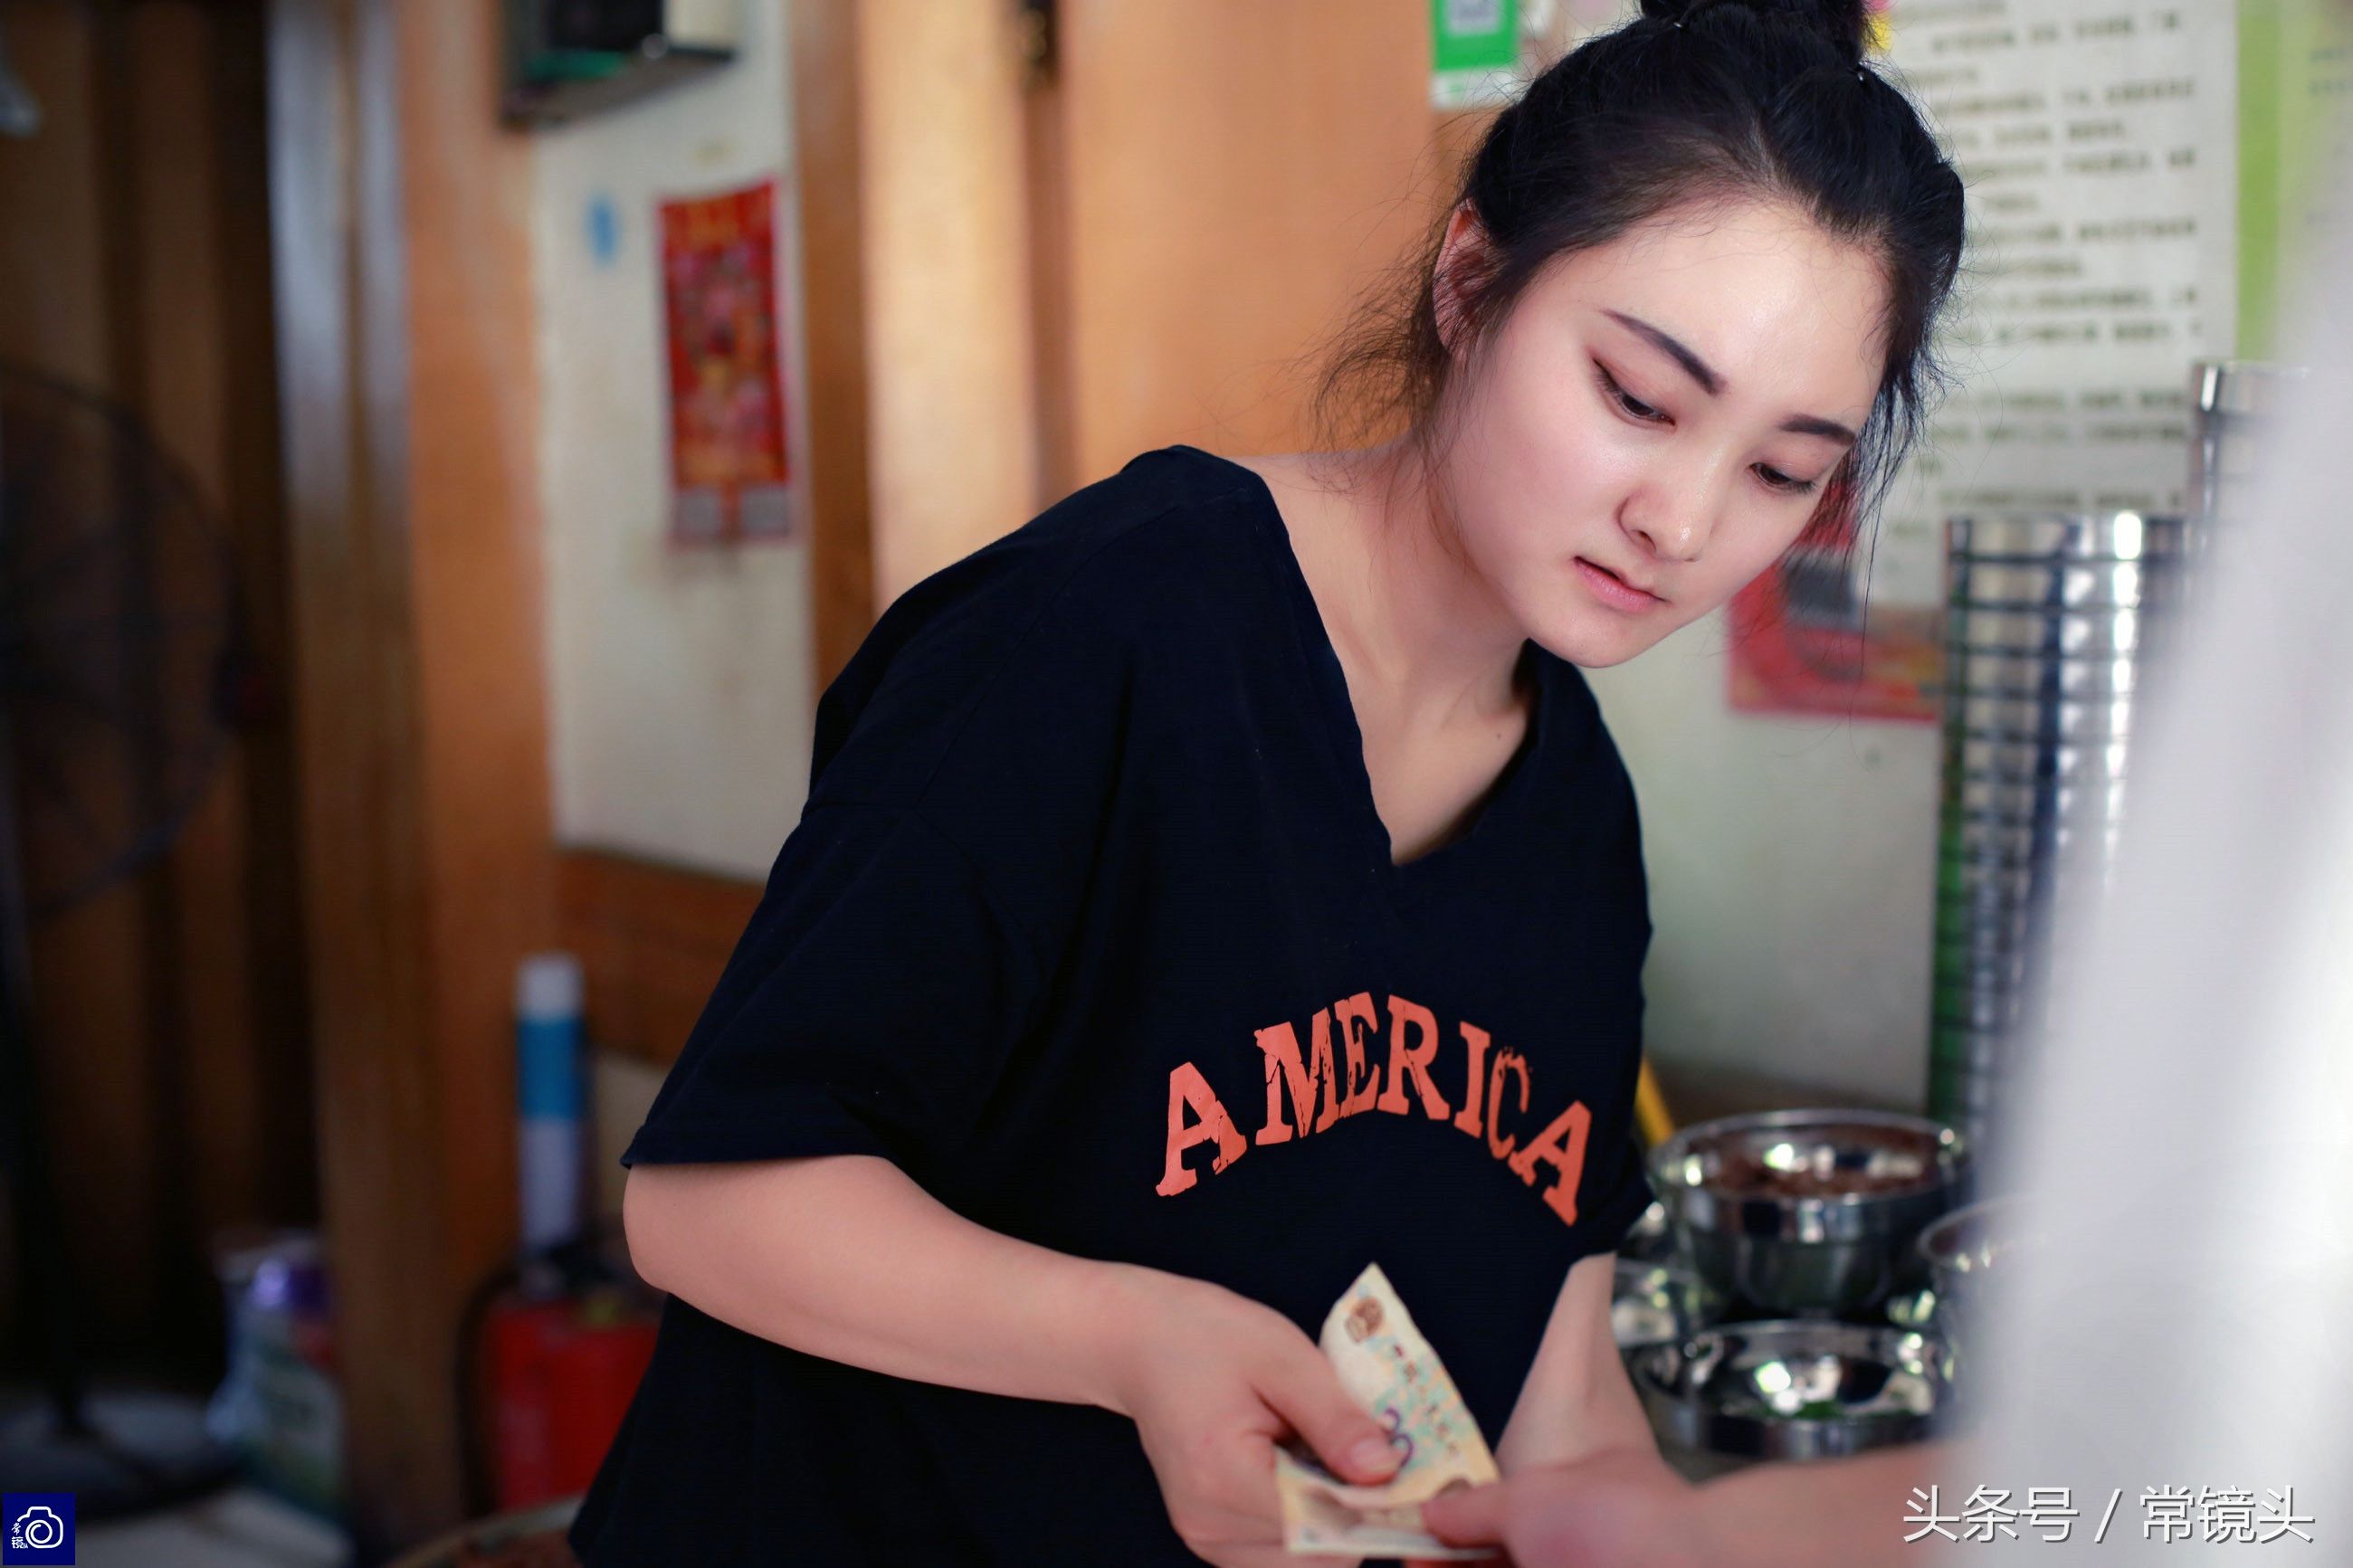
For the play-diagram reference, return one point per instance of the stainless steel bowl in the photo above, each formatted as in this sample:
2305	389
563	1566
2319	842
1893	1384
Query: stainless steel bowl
2000	914
2009	584
1808	1211
2089	723
2064	634
1981	970
1650	1238
1980	1012
1965	1246
2092	763
2064	536
1657	1303
1915	1310
2028	675
1962	1252
1794	1390
2098	803
1995	841
1996	883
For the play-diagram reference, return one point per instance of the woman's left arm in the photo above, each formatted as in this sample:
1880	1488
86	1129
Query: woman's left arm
1577	1400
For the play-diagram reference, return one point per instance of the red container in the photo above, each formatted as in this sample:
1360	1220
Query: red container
560	1376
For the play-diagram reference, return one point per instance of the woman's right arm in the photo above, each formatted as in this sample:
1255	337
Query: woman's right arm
845	1256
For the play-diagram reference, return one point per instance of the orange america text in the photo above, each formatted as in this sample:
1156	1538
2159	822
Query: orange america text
1321	1088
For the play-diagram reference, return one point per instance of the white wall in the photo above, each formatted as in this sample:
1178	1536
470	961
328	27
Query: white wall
1792	877
679	679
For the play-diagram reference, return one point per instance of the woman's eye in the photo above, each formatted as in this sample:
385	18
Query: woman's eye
1775	480
1635	406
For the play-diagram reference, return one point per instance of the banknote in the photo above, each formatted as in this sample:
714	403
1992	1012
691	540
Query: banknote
1390	1370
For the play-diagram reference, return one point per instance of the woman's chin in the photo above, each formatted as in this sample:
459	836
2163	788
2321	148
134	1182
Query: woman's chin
1590	646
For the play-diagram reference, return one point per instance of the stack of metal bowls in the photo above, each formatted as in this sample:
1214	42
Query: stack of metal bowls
2048	623
1809	1212
1793	1390
1769	1231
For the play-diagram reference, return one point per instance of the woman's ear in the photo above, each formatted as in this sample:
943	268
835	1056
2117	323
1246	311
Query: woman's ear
1464	259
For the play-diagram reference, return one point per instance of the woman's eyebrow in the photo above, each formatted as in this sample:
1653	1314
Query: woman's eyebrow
1711	383
1694	366
1813	425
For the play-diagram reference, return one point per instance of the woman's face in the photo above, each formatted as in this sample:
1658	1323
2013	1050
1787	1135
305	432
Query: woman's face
1656	420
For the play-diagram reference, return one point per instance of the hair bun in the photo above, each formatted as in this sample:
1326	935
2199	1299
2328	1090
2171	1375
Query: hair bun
1845	23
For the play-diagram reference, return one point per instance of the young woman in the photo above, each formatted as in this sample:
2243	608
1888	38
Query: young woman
1225	881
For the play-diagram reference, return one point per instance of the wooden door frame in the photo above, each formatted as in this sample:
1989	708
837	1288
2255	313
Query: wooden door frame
822	62
335	233
419	696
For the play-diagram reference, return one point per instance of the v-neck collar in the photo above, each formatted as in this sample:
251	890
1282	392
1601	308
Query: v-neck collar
1344	736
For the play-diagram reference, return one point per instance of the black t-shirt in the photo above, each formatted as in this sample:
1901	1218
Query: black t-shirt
1090	925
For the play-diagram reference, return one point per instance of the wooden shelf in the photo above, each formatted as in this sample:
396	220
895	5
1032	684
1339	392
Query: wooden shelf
652	939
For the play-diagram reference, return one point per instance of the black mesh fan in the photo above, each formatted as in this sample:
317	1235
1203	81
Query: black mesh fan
118	638
120	666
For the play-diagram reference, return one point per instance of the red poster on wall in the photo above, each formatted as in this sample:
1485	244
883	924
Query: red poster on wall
728	466
1804	641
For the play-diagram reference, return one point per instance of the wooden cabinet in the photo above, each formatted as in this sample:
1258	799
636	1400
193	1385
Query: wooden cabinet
1218	183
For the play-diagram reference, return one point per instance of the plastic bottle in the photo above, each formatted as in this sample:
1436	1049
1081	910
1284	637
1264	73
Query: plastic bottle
550	1099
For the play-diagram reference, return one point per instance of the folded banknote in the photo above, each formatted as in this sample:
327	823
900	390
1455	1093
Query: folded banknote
1390	1370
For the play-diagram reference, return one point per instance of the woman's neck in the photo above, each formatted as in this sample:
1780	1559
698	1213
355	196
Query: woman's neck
1408	612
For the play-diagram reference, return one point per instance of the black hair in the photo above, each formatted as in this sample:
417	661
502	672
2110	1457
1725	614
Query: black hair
1692	102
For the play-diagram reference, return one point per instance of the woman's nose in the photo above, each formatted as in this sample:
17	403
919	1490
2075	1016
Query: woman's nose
1673	523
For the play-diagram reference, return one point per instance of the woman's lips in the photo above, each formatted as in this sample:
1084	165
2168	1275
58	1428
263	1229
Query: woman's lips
1613	590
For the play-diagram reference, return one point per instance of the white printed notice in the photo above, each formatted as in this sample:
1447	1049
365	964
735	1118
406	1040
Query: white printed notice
2098	139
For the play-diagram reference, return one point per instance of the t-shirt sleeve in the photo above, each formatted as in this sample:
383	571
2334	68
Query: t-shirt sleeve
867	1010
911	927
1622	1195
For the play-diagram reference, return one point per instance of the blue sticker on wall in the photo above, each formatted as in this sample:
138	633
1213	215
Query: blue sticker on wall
604	225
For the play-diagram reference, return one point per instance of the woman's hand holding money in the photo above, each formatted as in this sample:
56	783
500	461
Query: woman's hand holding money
1213	1380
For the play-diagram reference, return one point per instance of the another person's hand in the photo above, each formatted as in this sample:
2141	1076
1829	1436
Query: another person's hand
1213	1380
1623	1508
